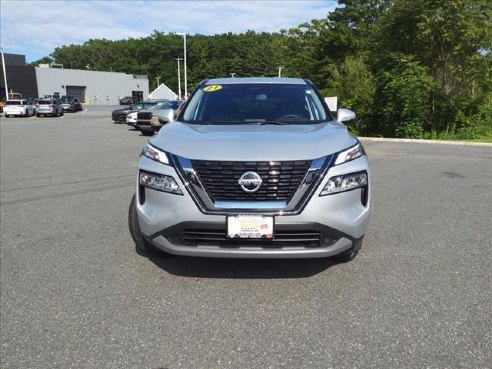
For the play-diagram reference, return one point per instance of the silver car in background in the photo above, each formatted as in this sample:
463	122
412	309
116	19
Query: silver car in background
48	106
253	168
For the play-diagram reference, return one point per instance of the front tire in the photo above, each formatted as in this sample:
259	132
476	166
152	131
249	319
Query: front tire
122	119
141	243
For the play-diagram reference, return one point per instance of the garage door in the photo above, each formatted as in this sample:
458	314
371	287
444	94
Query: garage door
77	92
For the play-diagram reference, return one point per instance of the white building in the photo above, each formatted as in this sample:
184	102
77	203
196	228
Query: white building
163	92
91	87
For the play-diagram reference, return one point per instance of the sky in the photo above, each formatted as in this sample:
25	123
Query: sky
36	28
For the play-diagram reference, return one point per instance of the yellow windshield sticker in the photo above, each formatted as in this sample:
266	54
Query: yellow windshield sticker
212	88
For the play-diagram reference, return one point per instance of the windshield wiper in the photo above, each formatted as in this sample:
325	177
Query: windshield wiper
262	122
259	122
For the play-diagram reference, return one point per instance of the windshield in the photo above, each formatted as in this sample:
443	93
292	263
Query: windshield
255	103
13	102
171	105
159	106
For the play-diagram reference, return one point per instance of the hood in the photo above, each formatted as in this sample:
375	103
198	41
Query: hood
253	142
121	110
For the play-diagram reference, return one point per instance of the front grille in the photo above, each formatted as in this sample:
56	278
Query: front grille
144	115
282	239
281	179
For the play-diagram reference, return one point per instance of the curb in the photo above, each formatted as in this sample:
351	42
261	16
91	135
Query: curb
409	140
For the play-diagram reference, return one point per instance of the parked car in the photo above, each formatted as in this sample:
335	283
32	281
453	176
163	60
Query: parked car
127	100
70	103
33	103
119	115
253	168
151	120
131	118
18	107
48	106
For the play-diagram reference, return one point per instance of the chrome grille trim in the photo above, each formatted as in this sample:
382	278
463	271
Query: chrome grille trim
197	191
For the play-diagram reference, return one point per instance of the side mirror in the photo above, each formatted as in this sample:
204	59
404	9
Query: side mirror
345	115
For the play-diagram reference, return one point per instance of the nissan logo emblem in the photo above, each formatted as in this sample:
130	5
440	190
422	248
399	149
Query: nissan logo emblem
250	182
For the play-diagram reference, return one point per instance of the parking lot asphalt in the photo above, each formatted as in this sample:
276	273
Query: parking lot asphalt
75	294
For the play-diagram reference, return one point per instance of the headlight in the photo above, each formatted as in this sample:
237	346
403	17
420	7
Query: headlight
155	154
350	154
159	182
345	182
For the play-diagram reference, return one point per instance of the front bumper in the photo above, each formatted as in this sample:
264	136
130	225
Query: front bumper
339	220
144	127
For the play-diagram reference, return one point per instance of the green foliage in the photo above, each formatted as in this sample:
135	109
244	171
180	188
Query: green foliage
355	86
404	90
408	68
44	60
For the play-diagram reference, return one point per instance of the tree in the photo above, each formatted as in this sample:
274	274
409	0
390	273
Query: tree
403	96
355	85
43	60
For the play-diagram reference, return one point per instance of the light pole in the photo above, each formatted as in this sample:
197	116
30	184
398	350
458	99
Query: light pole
232	75
185	77
4	76
158	78
280	72
179	79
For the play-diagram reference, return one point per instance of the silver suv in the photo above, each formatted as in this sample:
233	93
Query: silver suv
48	107
253	168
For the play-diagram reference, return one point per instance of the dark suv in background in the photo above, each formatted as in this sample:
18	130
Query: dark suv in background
151	120
70	103
127	100
119	115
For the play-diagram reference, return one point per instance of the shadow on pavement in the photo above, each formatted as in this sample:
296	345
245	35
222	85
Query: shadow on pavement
240	268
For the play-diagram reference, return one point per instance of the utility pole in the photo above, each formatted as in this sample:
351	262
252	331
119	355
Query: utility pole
280	71
185	77
179	79
4	76
158	78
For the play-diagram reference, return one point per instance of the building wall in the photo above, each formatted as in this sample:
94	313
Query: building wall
20	76
14	59
101	88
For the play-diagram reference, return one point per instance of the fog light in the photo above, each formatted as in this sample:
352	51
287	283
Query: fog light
345	182
160	182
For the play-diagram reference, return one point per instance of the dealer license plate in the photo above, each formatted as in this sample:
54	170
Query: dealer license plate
250	226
